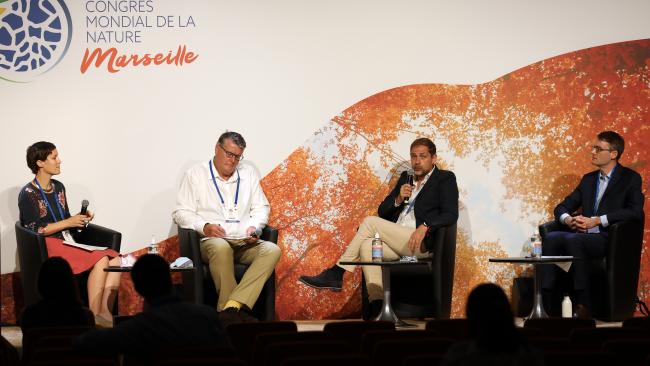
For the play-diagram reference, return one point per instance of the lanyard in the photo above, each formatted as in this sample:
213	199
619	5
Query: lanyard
598	187
58	205
214	180
410	206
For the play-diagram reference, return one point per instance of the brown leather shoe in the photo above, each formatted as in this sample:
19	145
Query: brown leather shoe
582	312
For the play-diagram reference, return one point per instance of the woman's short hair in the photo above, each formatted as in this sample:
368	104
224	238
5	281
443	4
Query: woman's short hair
38	151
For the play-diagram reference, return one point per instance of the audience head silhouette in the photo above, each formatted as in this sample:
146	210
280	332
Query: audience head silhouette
491	322
56	282
151	277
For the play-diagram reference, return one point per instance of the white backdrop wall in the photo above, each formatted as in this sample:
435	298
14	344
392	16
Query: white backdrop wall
273	70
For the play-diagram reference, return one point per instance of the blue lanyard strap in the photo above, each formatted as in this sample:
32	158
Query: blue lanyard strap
56	200
410	206
214	180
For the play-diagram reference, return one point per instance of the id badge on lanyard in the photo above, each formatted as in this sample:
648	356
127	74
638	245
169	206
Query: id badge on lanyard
232	216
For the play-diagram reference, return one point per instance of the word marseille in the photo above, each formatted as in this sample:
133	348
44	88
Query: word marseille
115	62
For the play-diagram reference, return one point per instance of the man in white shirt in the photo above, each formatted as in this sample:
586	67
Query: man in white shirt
406	216
223	201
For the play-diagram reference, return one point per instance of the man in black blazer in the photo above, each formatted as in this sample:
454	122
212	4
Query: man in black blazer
402	226
605	196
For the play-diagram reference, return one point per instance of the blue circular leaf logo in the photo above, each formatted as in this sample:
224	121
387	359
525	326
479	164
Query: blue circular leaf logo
34	37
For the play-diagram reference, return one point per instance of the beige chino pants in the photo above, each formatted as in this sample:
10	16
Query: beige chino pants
220	255
394	238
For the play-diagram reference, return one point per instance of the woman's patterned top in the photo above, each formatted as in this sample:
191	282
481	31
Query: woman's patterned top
34	213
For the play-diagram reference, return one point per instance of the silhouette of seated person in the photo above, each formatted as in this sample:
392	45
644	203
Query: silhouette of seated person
60	304
493	338
166	321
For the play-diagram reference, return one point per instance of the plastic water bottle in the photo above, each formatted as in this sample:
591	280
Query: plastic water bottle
377	249
153	247
536	244
567	307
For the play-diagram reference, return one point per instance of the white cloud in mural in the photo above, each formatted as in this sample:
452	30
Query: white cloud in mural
492	217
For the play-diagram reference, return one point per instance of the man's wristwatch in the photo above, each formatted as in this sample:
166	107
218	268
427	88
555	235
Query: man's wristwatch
427	226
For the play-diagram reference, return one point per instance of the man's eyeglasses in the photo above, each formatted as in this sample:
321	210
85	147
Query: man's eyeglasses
599	149
230	155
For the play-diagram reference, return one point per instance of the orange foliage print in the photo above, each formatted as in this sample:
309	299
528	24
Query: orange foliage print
518	146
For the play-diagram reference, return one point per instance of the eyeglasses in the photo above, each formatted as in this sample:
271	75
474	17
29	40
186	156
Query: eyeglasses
599	149
230	155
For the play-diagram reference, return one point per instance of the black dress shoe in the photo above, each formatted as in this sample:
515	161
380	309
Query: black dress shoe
229	316
331	278
582	312
246	316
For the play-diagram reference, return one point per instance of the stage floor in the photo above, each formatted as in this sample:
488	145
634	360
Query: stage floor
15	336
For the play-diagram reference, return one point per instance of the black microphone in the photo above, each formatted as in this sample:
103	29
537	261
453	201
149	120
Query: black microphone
84	210
84	207
409	180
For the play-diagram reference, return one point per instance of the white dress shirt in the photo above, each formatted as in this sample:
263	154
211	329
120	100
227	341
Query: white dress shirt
407	216
198	202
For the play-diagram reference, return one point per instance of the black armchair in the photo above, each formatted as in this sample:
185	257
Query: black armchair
615	278
198	286
32	252
434	283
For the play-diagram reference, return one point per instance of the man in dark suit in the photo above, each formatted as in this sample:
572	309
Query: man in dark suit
610	194
402	226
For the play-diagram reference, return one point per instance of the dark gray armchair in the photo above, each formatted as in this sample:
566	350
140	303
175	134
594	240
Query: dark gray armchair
433	283
198	286
32	252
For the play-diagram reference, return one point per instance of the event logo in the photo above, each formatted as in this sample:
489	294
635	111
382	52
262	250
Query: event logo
119	35
34	37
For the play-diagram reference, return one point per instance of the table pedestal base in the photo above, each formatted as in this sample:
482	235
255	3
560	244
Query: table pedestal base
387	313
538	311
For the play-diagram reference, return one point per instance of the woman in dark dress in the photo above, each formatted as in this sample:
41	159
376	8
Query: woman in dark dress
44	209
60	304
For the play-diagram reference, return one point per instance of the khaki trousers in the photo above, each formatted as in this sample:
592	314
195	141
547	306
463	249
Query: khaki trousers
220	255
394	239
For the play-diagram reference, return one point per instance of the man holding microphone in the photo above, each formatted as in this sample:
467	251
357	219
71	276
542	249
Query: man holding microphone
406	217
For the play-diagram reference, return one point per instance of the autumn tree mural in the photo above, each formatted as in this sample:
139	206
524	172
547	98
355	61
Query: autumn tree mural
518	145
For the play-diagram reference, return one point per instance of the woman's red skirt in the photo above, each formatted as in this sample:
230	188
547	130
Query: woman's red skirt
80	260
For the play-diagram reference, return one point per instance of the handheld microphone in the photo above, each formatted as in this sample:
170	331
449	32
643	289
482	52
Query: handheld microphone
84	207
409	180
84	210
